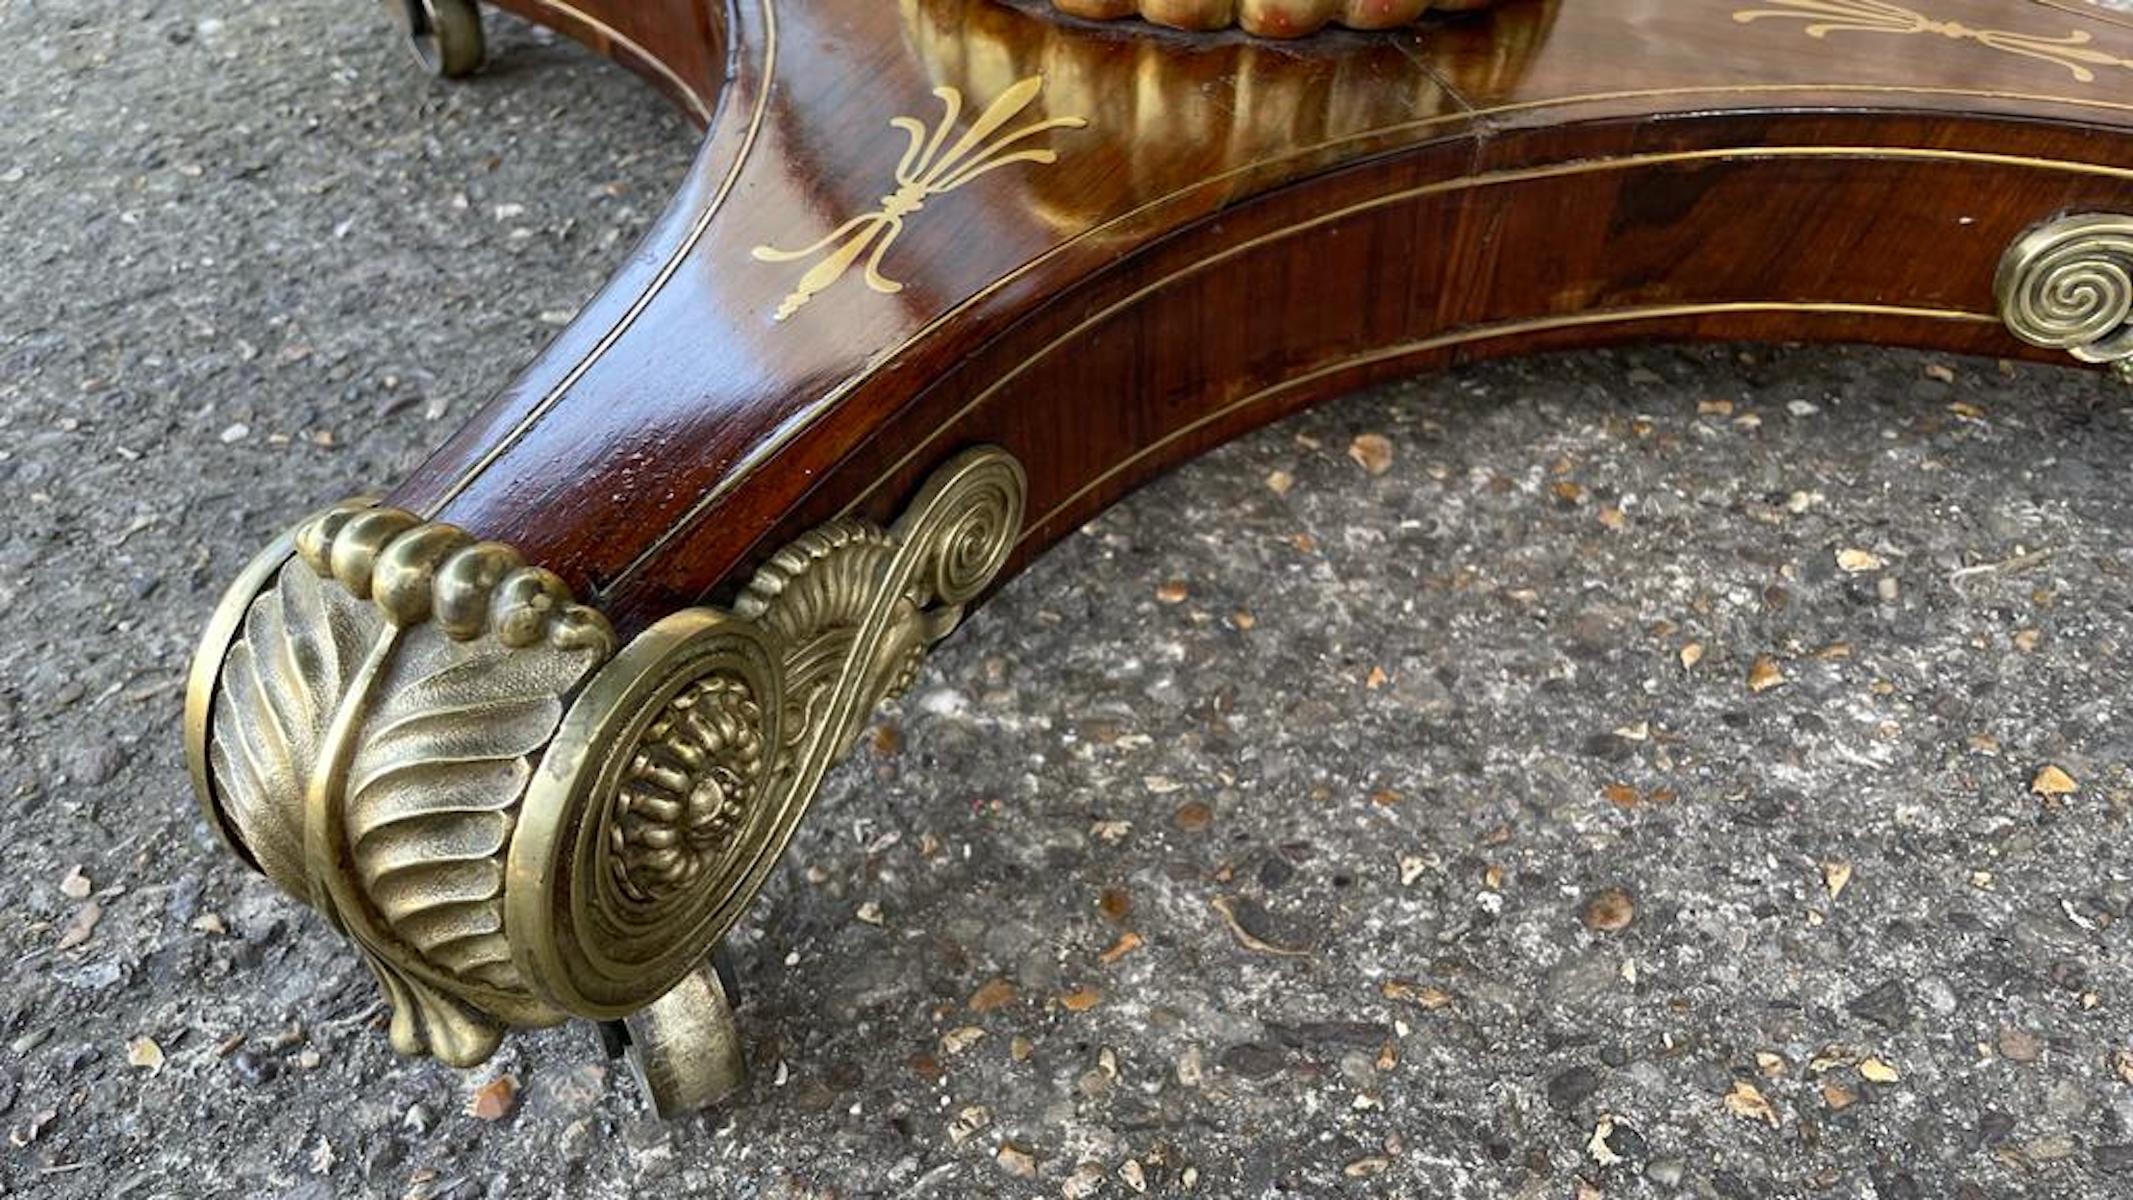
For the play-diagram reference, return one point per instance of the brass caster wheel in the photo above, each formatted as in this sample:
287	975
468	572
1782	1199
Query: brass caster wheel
684	1048
444	34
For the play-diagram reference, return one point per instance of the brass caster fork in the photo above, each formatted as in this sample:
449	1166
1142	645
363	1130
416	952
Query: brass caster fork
684	1049
444	34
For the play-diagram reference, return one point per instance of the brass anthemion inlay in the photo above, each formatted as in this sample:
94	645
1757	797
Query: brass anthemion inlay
432	743
2075	51
931	166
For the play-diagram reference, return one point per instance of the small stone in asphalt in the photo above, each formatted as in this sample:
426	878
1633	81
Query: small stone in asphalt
1254	1060
2020	1045
96	763
253	1068
1627	1143
1888	1005
1573	1087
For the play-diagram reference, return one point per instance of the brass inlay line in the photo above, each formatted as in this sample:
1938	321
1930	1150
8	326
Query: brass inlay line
667	270
803	420
791	429
2093	11
1454	185
2075	51
612	34
930	167
1482	333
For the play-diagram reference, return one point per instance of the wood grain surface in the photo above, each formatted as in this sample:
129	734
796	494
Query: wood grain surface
1221	231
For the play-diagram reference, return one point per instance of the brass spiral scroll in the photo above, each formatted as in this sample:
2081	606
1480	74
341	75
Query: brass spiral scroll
2068	285
414	732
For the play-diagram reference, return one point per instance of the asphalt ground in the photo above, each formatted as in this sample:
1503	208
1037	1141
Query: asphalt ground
1682	772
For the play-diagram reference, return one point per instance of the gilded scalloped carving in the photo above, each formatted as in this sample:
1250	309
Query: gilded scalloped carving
1266	18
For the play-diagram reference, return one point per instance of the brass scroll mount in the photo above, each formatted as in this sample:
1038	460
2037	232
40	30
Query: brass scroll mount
2068	285
682	770
430	742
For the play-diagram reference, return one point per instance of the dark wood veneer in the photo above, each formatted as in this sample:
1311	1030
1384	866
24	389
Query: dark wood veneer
1239	230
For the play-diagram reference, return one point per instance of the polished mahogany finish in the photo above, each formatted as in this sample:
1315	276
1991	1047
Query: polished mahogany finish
1219	231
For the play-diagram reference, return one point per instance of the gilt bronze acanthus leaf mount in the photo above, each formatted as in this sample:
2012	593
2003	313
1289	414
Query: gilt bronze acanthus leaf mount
361	724
434	745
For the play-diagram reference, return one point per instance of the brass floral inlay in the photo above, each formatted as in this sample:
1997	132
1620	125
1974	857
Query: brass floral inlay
2076	51
930	167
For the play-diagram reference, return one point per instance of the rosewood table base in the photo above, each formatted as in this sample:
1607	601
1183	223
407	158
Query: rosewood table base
949	277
